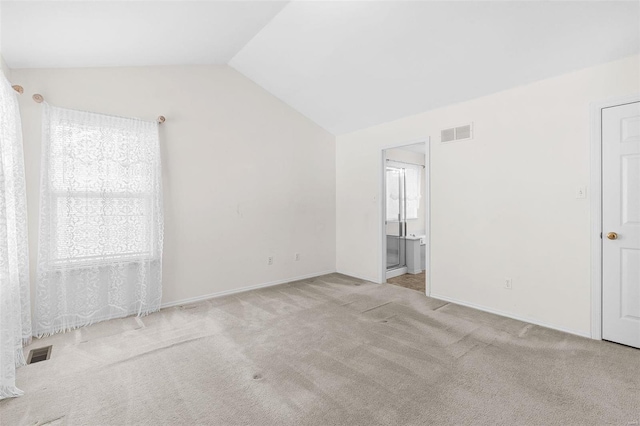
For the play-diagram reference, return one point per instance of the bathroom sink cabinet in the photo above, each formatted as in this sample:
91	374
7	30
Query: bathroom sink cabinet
415	255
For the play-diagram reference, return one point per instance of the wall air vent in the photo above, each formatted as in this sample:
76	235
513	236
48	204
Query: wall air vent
40	354
448	135
458	133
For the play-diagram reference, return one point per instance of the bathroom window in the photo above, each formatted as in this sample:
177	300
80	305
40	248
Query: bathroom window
412	179
403	192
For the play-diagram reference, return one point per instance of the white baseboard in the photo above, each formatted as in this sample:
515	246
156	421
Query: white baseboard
509	315
396	272
360	277
241	290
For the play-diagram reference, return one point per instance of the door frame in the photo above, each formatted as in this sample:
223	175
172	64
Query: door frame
596	207
382	241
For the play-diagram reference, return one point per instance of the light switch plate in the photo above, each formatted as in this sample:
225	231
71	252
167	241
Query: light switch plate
581	192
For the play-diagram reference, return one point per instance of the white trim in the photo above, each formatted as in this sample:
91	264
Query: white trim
191	300
427	207
510	315
404	164
382	240
360	277
241	290
596	208
396	272
425	139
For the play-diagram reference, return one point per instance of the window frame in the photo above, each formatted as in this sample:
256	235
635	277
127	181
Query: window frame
81	262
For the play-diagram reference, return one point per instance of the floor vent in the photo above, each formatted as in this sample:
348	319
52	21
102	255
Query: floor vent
457	133
40	354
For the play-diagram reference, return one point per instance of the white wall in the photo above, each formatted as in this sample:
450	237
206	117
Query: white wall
5	69
503	205
3	65
245	176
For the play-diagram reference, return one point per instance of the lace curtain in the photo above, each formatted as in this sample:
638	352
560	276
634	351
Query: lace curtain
101	222
15	315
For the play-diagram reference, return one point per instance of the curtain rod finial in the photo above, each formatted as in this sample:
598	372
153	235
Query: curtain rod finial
18	88
38	98
161	119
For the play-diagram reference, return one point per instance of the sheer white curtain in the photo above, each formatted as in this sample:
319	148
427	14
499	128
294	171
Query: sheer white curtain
413	176
403	180
394	181
15	315
101	222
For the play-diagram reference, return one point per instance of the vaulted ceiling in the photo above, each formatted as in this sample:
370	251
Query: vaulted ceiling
344	64
42	34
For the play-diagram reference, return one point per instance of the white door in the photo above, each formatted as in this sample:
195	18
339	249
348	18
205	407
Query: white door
621	224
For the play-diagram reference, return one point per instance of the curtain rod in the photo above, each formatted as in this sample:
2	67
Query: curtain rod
38	98
405	162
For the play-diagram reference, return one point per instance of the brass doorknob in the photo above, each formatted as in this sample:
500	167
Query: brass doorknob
612	236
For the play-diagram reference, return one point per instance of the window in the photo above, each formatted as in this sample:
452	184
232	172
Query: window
403	192
102	191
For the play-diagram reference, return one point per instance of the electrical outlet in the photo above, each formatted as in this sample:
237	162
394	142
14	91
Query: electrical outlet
270	260
508	283
297	257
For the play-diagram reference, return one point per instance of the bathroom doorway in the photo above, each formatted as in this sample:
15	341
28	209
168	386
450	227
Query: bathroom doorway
405	215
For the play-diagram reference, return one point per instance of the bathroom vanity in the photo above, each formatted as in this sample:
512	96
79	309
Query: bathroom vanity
416	253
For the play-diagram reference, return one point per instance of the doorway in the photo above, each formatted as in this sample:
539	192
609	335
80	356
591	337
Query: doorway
620	242
405	215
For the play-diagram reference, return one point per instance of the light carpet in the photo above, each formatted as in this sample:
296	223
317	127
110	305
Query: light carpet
333	350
